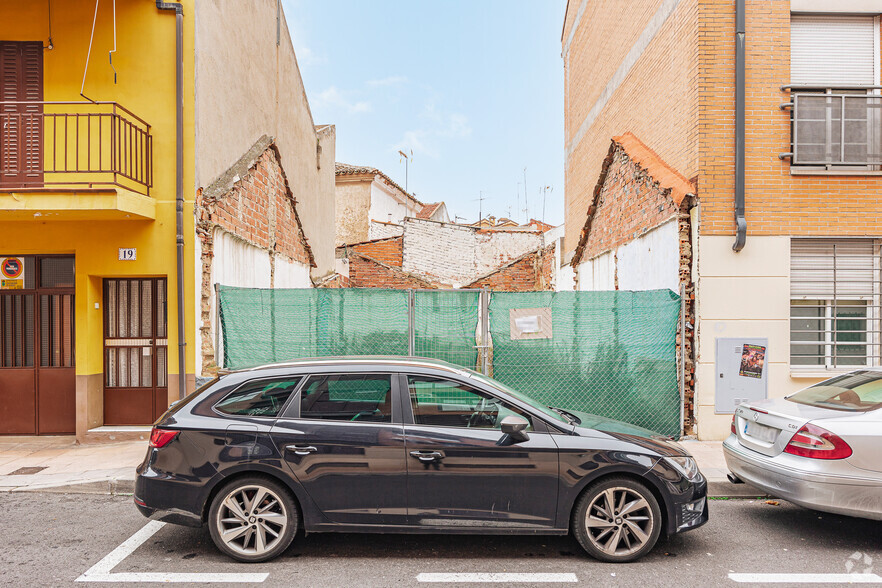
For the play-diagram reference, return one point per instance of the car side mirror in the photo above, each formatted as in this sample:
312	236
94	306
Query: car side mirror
515	427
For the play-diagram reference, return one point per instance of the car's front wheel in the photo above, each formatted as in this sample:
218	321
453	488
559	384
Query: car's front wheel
617	520
253	519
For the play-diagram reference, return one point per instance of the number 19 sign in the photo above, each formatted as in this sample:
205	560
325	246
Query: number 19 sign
128	254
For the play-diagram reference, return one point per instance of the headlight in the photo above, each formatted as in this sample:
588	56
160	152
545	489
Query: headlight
685	465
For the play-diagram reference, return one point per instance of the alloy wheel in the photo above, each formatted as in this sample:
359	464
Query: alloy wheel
251	520
619	521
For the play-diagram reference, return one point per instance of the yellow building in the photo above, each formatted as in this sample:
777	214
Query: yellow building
103	134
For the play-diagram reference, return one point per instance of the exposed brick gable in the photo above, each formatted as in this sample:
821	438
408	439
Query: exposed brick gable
365	272
252	201
389	251
635	192
531	272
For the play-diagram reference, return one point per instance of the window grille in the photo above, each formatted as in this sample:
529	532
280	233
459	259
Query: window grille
835	303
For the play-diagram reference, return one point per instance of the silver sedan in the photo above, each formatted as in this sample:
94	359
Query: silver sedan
818	448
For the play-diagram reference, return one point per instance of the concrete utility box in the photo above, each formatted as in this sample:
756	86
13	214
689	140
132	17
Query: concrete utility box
742	372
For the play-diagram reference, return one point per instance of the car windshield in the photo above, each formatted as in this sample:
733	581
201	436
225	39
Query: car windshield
857	391
523	398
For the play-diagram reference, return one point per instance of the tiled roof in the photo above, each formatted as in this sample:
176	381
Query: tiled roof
345	169
429	209
661	172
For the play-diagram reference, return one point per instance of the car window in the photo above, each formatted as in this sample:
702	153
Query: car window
262	398
447	403
856	391
347	397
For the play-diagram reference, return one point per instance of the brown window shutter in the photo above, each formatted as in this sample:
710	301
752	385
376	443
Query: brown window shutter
21	79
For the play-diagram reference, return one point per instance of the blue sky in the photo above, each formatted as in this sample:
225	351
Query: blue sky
474	88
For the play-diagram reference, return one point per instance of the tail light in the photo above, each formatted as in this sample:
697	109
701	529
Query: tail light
161	437
817	443
734	431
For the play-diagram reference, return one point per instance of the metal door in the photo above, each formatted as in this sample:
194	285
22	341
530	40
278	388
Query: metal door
37	351
21	113
135	350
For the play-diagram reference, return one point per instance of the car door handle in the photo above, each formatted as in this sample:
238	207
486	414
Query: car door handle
301	449
427	456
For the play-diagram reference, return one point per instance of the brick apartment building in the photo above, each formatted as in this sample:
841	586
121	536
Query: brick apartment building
777	150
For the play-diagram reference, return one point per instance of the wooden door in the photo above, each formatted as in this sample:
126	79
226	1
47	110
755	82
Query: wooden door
37	350
21	124
135	351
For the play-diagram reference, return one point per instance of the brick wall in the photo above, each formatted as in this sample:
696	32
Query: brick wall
388	251
259	209
630	204
777	203
532	272
365	272
656	100
455	255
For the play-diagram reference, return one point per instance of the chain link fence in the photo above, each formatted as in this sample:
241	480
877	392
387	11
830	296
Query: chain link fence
613	354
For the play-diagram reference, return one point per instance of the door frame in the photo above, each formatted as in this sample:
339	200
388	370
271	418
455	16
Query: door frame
37	292
158	394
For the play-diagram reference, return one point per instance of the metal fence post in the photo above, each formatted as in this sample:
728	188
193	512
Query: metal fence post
411	330
682	356
485	331
218	356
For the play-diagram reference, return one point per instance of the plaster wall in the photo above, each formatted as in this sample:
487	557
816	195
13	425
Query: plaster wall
351	212
598	273
652	261
744	294
387	206
248	86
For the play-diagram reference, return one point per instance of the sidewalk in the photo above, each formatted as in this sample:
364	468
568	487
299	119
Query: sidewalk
58	464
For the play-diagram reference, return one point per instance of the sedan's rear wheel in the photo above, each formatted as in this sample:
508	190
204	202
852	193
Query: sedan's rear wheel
253	519
617	520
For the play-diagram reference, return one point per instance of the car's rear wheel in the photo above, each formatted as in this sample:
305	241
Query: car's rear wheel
617	520
253	519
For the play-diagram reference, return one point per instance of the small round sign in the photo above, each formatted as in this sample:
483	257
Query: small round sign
11	268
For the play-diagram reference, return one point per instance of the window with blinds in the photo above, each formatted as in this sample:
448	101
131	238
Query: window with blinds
834	303
837	114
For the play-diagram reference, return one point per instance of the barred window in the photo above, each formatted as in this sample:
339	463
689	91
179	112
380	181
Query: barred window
834	303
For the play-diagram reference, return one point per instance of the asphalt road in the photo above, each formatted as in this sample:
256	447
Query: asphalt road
52	539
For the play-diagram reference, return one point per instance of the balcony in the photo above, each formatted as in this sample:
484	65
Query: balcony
835	129
74	160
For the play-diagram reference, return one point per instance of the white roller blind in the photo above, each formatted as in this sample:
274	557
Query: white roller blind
824	268
832	50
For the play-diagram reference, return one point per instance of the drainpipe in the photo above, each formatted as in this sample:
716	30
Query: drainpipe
179	183
740	221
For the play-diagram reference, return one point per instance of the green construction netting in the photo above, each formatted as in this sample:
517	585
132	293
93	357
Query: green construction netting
608	353
261	326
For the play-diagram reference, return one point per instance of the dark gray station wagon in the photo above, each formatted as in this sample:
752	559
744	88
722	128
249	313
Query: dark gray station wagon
399	445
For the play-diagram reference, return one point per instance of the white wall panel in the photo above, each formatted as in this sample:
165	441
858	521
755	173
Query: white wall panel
651	262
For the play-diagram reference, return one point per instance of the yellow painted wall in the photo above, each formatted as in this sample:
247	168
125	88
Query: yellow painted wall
145	62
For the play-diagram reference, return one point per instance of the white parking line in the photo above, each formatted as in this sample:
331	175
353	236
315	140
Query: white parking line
101	571
806	578
506	578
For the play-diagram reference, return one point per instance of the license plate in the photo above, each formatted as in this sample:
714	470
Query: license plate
760	432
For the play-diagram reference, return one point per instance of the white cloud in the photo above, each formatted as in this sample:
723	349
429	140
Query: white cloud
387	81
437	126
334	98
306	57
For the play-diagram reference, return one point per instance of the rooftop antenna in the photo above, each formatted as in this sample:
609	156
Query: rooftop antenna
406	164
526	204
518	209
544	190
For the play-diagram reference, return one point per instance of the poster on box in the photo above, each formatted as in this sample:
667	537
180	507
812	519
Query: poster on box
753	359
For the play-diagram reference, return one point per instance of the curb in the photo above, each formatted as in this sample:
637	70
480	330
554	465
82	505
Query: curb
726	489
109	487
